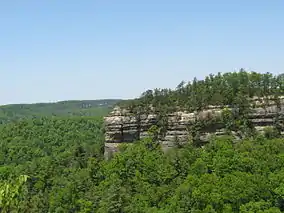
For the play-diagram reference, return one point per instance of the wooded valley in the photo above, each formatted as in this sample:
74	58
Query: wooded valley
52	161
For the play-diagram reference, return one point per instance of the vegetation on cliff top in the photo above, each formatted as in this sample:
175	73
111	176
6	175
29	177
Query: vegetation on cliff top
230	88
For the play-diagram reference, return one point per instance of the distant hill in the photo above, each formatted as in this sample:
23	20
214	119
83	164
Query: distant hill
63	108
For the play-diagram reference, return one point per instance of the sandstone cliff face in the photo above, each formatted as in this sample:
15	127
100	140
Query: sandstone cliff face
123	127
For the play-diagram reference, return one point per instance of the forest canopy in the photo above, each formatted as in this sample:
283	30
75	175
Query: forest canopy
55	163
221	177
13	112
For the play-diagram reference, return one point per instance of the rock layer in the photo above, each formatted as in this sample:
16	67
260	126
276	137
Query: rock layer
121	126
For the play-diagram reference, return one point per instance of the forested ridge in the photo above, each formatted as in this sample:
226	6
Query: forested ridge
56	163
232	88
14	112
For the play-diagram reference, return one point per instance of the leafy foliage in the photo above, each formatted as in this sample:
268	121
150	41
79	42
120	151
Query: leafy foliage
55	154
9	193
73	177
61	159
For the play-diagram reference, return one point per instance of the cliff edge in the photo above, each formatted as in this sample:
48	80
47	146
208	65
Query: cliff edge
122	126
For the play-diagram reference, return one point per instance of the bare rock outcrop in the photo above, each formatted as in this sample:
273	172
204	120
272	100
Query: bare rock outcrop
121	126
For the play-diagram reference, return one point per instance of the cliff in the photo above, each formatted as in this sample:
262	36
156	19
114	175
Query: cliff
121	126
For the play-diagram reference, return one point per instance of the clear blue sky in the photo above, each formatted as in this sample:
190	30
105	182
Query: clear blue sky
54	50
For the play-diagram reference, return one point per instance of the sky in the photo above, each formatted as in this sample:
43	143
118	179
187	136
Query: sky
53	50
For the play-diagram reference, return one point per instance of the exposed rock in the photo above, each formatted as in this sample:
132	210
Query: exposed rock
124	127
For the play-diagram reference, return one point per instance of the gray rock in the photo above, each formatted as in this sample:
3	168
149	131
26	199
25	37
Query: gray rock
122	126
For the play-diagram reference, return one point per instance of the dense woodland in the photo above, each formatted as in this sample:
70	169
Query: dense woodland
14	112
230	89
56	163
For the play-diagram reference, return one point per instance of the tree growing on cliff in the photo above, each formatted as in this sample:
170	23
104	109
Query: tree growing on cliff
234	90
220	89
